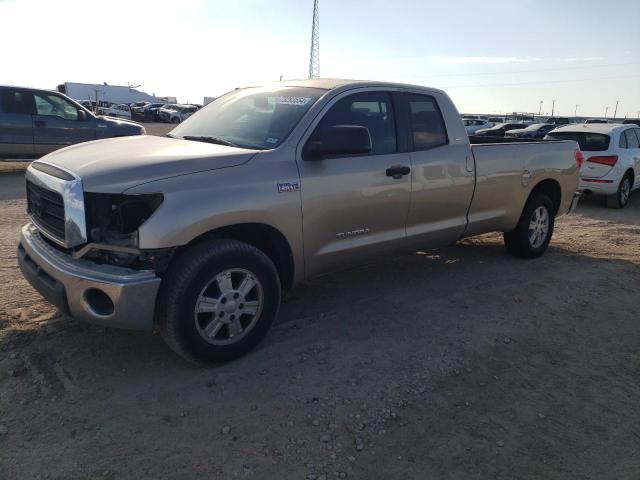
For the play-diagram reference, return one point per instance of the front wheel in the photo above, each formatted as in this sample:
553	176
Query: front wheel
217	301
533	233
621	197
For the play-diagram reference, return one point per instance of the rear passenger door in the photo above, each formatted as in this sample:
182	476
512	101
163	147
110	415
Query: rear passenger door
16	124
354	206
56	123
442	174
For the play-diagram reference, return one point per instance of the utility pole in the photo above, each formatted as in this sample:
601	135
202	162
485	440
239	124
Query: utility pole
540	109
314	57
606	110
553	107
575	112
616	110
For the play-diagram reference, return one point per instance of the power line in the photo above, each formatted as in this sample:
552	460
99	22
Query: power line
540	82
519	71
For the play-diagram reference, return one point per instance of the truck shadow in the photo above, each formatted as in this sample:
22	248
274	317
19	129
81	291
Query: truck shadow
412	293
594	207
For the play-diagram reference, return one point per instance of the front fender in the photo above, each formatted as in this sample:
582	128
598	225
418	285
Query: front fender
198	203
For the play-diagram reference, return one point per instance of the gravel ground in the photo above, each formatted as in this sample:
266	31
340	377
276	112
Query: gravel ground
459	363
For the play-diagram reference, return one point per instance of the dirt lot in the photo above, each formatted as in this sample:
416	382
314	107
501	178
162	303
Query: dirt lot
461	363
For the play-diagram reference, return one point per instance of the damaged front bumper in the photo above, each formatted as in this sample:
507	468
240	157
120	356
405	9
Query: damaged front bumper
102	294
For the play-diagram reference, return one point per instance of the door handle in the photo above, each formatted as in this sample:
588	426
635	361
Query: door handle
398	171
40	123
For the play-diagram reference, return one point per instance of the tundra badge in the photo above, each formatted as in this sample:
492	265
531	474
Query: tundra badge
288	187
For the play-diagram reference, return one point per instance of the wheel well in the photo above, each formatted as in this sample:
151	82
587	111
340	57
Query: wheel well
266	239
552	189
631	173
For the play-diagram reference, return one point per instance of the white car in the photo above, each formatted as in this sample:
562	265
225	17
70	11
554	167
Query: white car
176	113
121	111
473	125
611	158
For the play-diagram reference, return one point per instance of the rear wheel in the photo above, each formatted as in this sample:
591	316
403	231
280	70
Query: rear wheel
621	197
533	233
217	301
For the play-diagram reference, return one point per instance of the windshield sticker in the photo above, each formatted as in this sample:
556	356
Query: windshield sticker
271	140
300	101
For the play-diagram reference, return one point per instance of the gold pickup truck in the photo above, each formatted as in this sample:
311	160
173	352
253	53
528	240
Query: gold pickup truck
196	234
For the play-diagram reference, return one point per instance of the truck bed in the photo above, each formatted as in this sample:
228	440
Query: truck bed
477	140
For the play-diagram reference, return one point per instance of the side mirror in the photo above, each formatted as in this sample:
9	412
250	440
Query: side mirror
340	140
82	115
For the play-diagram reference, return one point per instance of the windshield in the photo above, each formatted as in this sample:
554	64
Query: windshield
588	142
251	118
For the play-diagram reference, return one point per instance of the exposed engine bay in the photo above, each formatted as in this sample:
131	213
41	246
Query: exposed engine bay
112	227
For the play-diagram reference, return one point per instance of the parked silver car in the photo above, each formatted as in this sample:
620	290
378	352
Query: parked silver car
36	122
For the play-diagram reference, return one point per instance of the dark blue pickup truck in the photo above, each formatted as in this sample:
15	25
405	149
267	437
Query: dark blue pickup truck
36	122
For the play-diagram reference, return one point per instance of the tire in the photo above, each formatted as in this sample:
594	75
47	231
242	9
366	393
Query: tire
621	198
198	278
175	120
522	242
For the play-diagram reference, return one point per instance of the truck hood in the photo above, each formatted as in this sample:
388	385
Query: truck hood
117	164
118	121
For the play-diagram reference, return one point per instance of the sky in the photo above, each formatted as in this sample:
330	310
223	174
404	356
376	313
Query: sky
490	56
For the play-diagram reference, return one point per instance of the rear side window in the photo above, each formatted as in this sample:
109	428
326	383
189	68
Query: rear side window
632	140
622	143
426	127
14	101
588	142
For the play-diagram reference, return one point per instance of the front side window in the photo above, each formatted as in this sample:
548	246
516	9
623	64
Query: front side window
425	122
260	118
371	110
52	105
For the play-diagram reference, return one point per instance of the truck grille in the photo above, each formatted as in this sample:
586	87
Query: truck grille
46	208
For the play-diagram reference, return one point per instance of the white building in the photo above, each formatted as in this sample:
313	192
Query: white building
109	93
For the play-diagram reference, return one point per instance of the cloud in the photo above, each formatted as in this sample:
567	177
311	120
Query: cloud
483	60
479	60
581	59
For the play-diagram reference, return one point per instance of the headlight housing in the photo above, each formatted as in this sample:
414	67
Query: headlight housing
115	218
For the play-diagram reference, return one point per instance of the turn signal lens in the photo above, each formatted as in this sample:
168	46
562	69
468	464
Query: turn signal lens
577	154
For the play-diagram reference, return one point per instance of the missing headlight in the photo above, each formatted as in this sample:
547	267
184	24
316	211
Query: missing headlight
115	218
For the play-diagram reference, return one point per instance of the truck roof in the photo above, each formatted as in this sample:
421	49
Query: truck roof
333	83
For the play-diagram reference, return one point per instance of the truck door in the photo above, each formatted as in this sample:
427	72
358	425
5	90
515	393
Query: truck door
442	177
354	206
57	123
16	127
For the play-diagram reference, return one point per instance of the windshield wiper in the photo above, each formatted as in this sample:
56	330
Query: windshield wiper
216	140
